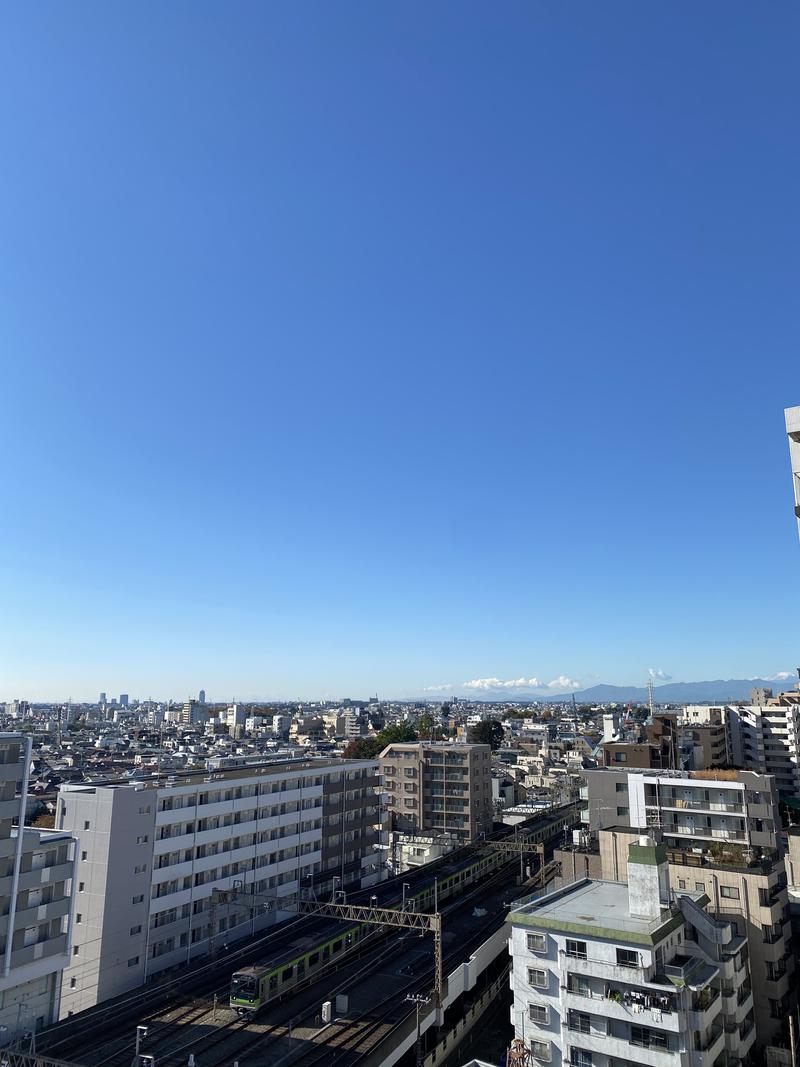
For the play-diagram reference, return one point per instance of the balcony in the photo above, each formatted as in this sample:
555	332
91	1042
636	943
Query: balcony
712	1043
700	805
658	1010
596	968
713	833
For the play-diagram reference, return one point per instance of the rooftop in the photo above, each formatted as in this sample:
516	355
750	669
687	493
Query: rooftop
597	909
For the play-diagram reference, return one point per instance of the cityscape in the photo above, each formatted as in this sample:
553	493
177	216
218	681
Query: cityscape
399	662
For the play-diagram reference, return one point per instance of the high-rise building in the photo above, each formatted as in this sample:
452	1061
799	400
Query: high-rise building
123	700
153	851
793	434
37	870
103	699
18	709
606	974
441	788
202	696
721	831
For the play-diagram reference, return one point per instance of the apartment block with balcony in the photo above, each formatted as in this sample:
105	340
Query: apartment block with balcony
36	882
766	738
751	896
703	809
612	975
721	831
439	788
151	853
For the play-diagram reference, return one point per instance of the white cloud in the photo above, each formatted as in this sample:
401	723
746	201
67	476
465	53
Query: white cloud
446	688
562	682
521	685
658	675
781	676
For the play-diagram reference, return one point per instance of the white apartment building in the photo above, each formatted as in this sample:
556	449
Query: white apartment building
152	851
612	975
696	809
36	879
766	737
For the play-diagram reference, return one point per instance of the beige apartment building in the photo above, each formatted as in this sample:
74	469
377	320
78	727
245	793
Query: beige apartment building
751	897
439	788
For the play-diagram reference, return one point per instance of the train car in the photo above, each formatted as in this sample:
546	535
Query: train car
253	987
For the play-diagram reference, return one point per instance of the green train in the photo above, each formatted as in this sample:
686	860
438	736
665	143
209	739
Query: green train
254	987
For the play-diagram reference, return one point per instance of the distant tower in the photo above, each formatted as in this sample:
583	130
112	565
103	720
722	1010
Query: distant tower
102	698
202	696
793	434
651	700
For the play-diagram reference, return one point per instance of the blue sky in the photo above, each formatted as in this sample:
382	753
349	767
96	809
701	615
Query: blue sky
364	347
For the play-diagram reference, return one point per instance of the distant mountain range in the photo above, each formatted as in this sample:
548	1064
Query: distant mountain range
719	691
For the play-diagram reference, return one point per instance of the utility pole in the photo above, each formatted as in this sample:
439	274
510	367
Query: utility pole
141	1033
419	1001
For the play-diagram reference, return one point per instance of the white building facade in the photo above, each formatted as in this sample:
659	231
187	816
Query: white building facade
612	975
36	879
152	852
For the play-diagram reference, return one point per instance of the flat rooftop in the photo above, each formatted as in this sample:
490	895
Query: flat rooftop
597	909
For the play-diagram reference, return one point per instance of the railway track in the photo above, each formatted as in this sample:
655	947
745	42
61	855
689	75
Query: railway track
224	1035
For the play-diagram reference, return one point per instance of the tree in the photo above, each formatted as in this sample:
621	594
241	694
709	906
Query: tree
488	732
362	748
370	747
399	734
425	726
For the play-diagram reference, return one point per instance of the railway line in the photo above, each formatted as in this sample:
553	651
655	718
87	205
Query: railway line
205	1026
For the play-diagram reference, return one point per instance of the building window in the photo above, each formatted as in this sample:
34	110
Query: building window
620	757
141	839
84	855
75	949
73	982
537	943
580	1058
78	917
137	899
133	961
540	1050
140	869
580	1021
136	929
539	1013
86	825
681	883
700	887
627	957
730	892
644	1038
622	811
576	949
81	886
621	787
537	978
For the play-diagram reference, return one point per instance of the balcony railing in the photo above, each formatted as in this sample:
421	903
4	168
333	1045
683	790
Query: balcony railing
713	1035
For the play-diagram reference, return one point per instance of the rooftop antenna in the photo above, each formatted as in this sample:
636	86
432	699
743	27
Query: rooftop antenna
651	700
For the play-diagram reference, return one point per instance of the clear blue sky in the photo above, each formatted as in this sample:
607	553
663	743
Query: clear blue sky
355	347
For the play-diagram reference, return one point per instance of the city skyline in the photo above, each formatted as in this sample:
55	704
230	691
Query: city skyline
387	349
